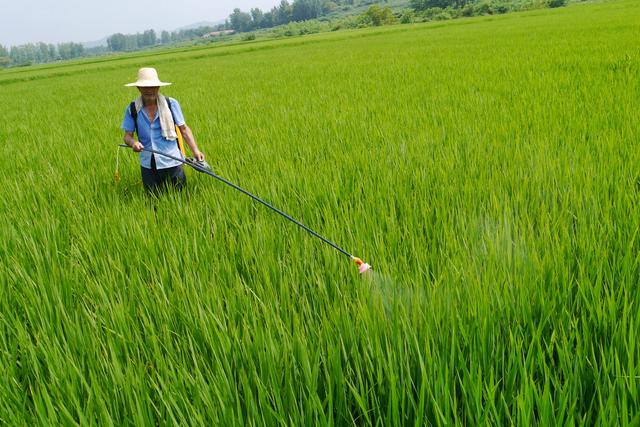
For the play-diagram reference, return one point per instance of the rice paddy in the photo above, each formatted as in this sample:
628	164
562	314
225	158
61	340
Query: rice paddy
488	169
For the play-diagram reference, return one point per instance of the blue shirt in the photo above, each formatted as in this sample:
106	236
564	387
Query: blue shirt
150	135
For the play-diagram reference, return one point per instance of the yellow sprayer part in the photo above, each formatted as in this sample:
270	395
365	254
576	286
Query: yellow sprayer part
116	174
180	142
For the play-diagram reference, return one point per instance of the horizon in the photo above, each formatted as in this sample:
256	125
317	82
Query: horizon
34	21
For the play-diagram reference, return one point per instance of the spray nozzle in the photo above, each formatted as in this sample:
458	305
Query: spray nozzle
363	267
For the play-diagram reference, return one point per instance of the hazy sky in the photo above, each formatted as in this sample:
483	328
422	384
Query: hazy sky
55	21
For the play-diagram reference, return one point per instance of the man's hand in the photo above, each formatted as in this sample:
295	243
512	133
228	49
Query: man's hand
137	147
198	155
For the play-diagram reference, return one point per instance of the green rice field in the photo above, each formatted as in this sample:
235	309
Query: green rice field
488	168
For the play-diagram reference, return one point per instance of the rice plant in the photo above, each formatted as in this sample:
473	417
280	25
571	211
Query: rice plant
486	167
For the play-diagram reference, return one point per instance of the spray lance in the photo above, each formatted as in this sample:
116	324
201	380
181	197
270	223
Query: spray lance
203	167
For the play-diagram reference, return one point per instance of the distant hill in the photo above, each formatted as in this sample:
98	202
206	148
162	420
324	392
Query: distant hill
201	24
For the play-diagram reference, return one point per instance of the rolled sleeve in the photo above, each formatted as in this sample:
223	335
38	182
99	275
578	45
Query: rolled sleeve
128	124
178	118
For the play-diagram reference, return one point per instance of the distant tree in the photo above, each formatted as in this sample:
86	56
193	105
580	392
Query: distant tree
24	54
148	38
165	37
77	49
328	7
4	57
407	16
131	42
240	21
256	17
267	20
377	16
70	50
65	50
44	53
116	42
302	10
283	13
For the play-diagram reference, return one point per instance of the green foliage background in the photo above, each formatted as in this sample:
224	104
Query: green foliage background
487	168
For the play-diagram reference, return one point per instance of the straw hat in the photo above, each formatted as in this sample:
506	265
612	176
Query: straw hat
148	77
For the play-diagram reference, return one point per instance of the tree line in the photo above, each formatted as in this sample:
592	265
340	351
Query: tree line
40	53
128	42
284	13
35	53
420	11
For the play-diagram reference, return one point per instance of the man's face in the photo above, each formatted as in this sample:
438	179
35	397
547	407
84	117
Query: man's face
149	94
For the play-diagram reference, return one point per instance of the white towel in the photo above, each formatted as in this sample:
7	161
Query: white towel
166	119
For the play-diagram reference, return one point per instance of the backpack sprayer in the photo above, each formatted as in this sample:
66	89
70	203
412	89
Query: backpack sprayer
202	166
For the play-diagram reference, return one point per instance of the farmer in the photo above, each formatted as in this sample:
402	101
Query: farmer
153	119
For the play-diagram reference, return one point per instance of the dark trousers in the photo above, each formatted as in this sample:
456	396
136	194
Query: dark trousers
155	180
